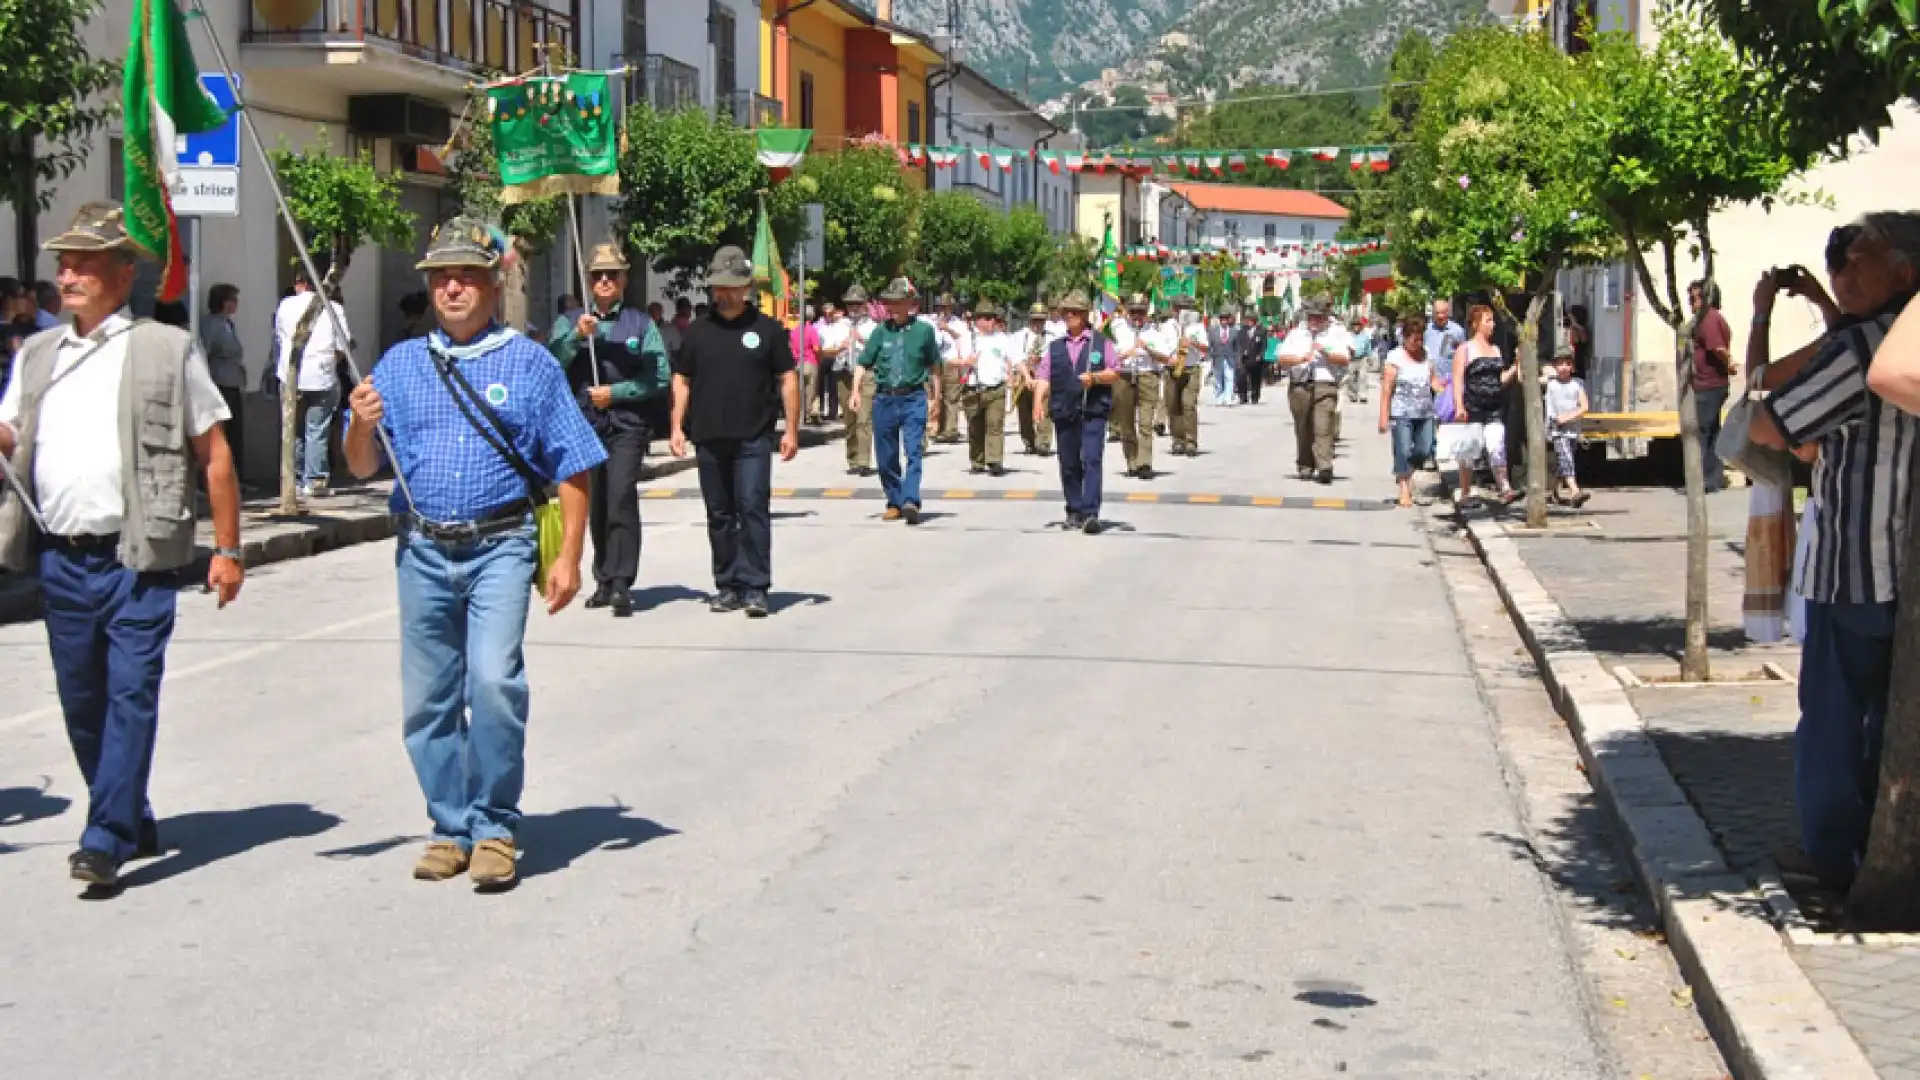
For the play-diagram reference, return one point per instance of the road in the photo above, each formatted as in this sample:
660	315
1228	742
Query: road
1215	794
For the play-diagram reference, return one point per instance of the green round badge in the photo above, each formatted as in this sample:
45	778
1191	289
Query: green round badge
751	339
633	344
497	395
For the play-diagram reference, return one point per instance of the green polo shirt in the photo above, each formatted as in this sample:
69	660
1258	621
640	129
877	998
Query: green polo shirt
902	357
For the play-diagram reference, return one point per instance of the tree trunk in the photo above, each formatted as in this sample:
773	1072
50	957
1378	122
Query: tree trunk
1694	665
289	433
1886	894
1533	407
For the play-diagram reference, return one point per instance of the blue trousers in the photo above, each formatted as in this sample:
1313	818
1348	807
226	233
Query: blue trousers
316	433
1845	668
1412	443
736	481
1081	443
900	424
463	678
107	628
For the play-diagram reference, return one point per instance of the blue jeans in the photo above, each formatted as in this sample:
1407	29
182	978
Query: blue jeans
900	424
736	481
1845	668
316	424
463	677
107	629
1412	442
1081	443
1223	370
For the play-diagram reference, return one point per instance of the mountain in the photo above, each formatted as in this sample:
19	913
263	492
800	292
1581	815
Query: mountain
1041	48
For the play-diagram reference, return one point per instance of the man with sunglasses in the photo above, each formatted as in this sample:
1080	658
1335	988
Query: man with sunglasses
613	381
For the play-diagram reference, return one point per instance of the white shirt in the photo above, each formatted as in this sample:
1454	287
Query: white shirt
1028	343
836	333
1195	335
76	446
994	358
863	328
953	347
317	362
1302	342
1128	347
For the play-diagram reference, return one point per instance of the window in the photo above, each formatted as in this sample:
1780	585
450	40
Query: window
1306	233
913	121
723	36
806	100
633	32
116	166
1272	232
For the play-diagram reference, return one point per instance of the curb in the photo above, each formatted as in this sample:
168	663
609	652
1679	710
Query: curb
1763	1010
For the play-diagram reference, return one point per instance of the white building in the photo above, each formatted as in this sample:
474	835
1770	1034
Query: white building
971	112
1170	218
1253	221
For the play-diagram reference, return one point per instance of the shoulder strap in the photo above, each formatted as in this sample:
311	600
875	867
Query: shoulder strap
492	431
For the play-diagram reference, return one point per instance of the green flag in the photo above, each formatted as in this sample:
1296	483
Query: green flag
1109	265
783	148
555	135
769	276
161	99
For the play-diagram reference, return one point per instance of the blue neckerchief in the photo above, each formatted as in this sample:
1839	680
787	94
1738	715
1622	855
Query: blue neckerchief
492	339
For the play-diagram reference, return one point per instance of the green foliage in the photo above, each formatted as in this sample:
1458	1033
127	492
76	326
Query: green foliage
1138	276
688	184
870	210
956	230
1122	120
1022	254
1828	69
1317	288
1074	264
1383	196
1255	124
340	202
1214	280
475	176
50	89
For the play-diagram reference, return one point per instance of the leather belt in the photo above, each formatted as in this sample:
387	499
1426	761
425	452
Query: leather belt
505	519
85	542
900	391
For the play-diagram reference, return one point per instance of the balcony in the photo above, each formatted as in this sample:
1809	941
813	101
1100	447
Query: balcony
665	83
431	47
749	110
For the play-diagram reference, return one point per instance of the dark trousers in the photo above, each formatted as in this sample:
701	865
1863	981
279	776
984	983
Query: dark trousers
107	629
1081	444
1845	668
1707	405
736	480
614	514
235	427
1246	383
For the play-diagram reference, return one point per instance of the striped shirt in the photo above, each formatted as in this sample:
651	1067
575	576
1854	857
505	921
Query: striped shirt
1866	447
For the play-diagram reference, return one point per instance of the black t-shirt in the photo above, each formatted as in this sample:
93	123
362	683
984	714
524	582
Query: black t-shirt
734	368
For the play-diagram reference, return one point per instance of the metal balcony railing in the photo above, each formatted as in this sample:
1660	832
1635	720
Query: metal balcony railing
665	83
748	109
466	35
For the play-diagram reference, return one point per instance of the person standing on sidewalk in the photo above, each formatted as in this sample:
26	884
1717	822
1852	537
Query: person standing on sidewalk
1407	388
306	337
1075	385
632	359
226	359
1481	375
855	383
1137	396
1853	562
1036	428
983	396
1711	373
482	424
1315	356
113	487
905	361
735	367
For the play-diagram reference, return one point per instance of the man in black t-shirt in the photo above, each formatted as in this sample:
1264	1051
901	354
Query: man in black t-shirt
731	365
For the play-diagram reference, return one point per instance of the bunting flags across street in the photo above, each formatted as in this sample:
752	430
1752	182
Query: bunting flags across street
1364	247
1189	163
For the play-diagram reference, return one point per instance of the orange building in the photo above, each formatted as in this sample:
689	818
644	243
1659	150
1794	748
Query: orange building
843	73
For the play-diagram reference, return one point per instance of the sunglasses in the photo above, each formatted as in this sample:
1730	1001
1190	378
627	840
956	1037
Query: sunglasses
1839	246
604	275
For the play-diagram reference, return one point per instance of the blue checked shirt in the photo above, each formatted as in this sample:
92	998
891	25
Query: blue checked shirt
455	475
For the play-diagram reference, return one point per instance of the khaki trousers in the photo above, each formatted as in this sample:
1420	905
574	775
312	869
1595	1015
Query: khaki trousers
1182	396
809	392
859	421
950	403
986	409
1314	405
1136	398
1038	438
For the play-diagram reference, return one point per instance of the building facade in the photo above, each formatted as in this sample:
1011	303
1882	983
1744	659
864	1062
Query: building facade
845	73
1170	218
971	112
1109	200
1252	221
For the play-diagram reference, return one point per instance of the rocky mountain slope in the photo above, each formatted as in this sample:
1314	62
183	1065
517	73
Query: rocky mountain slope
1045	46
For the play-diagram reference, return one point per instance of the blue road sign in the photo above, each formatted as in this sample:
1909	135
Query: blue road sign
221	146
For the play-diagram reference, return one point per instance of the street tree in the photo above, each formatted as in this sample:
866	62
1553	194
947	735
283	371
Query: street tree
1074	264
1498	193
870	210
339	203
54	97
688	184
954	242
1673	136
1023	248
1835	71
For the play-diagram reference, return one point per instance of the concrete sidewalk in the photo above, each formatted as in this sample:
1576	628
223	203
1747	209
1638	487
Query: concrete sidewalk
1701	778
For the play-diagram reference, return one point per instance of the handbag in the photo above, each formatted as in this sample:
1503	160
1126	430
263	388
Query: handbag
1735	446
548	529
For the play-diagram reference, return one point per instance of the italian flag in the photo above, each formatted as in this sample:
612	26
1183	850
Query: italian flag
161	99
1376	272
782	149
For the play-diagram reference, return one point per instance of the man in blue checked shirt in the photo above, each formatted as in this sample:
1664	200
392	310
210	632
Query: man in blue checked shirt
467	545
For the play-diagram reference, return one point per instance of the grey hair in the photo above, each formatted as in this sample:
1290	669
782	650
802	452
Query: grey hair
1899	230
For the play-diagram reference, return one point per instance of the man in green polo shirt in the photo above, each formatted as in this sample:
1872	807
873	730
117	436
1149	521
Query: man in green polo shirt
903	356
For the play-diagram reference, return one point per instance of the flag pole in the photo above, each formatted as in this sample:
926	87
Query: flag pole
293	232
579	252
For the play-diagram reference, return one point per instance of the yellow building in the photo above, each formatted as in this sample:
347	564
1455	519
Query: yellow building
843	73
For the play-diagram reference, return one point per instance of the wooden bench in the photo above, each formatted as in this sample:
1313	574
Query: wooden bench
1633	425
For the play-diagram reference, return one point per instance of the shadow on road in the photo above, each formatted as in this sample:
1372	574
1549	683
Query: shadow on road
659	596
21	805
551	842
778	602
208	836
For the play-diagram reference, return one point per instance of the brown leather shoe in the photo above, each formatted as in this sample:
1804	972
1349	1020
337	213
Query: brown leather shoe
442	859
892	514
493	865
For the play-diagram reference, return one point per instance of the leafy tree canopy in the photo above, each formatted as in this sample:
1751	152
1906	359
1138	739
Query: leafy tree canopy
340	202
1829	69
870	209
688	184
50	90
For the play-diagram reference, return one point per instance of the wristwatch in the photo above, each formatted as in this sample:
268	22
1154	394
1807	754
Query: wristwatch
230	553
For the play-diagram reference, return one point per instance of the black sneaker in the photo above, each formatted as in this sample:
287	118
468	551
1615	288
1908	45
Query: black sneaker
96	868
1091	526
756	604
1325	477
724	601
997	470
911	513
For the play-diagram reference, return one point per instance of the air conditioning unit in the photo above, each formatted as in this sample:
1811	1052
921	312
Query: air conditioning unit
399	116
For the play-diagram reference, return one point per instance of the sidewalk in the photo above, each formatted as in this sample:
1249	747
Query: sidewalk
1603	590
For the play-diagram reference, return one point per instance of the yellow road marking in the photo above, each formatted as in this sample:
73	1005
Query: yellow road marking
1268	500
659	493
1203	498
1020	495
783	493
837	493
1143	496
958	493
1329	504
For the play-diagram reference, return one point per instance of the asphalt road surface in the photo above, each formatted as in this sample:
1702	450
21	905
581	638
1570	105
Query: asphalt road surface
1212	795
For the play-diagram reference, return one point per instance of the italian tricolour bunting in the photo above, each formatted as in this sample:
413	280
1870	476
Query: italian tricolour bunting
1376	272
161	99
